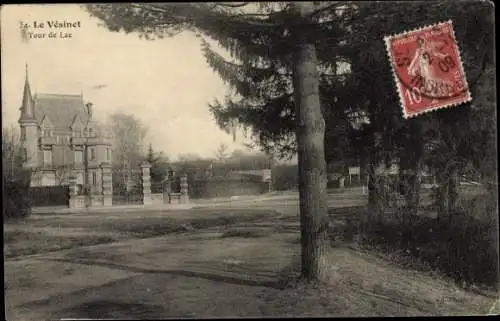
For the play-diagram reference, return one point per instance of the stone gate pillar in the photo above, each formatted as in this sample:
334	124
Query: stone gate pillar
146	183
107	184
167	190
72	191
184	199
75	200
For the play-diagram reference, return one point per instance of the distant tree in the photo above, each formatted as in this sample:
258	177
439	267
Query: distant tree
193	165
128	135
221	154
16	180
159	165
240	160
12	152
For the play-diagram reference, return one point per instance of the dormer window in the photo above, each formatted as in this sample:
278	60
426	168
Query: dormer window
77	133
47	132
89	132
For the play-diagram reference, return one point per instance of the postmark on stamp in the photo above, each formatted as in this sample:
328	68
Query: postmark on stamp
427	69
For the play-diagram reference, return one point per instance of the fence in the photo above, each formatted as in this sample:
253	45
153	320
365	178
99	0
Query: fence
127	187
49	195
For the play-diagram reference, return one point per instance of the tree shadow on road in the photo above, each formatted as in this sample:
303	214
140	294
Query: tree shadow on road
108	309
77	306
243	276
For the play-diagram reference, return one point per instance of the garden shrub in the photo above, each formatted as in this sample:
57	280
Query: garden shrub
464	246
16	200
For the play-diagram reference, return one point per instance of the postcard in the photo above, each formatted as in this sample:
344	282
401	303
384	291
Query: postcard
249	159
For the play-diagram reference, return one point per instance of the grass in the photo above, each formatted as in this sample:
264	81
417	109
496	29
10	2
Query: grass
463	247
361	285
244	234
45	234
237	274
24	242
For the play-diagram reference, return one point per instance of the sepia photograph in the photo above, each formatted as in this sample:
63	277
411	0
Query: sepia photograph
249	159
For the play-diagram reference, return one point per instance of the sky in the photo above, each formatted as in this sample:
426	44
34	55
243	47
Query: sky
165	83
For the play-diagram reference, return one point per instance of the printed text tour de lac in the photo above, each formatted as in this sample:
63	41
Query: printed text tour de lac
40	28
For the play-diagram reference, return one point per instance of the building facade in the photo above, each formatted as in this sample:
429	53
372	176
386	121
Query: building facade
62	140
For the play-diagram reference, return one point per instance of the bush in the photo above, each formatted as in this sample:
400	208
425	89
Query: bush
463	246
285	177
16	200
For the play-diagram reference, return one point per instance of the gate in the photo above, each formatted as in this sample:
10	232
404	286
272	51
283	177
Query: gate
127	187
49	195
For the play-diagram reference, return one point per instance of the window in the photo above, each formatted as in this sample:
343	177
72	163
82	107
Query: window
108	154
94	178
47	132
78	156
36	180
48	179
91	132
92	154
47	157
77	133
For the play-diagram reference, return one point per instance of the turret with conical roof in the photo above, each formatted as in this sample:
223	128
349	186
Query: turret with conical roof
27	107
29	126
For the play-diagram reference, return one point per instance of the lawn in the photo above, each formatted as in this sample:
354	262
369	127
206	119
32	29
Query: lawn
157	271
39	234
235	277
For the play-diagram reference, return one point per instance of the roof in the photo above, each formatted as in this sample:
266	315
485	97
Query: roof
61	110
27	112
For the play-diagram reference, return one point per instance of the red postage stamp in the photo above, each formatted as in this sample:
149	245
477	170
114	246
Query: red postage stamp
427	69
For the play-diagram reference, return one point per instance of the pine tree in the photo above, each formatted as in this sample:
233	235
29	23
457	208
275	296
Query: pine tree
159	165
293	29
273	51
373	90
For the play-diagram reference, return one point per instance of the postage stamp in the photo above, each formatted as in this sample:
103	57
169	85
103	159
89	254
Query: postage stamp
427	69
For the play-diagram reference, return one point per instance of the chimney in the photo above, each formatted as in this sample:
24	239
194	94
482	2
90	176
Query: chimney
89	109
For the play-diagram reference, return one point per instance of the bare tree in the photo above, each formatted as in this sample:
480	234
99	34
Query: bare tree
221	154
128	145
12	151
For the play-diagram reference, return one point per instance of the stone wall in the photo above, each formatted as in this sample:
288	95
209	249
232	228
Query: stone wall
157	198
226	188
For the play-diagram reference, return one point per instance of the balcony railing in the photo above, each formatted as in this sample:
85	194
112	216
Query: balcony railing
98	140
78	140
48	140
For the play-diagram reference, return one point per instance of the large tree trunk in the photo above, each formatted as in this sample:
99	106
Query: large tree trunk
413	195
373	195
452	189
442	193
376	183
410	166
311	156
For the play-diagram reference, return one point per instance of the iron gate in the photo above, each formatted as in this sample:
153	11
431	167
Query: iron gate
127	187
49	195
